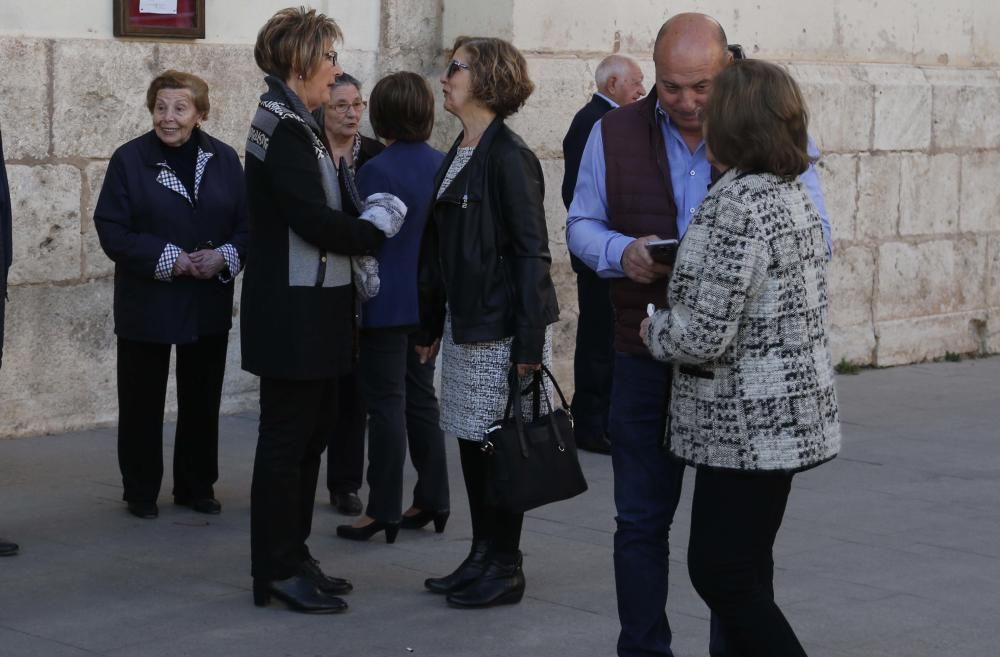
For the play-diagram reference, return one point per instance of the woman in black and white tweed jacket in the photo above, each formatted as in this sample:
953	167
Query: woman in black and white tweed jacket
753	398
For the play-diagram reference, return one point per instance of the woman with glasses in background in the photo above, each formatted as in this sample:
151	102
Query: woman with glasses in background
340	118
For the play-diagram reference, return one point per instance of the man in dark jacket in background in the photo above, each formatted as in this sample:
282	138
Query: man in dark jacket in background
619	82
7	548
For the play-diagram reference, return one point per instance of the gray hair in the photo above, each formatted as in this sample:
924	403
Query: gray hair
612	65
346	78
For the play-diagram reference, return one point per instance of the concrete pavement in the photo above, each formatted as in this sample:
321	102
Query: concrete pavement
892	549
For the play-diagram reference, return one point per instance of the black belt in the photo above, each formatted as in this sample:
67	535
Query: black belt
691	370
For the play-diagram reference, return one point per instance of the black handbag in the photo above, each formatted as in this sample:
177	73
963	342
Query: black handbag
532	463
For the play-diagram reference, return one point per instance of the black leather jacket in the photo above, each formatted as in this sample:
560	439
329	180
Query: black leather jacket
485	250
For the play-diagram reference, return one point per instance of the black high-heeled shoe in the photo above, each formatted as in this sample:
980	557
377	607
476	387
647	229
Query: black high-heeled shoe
298	593
418	520
364	533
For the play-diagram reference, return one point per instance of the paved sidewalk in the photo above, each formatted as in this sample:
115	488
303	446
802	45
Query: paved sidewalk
892	549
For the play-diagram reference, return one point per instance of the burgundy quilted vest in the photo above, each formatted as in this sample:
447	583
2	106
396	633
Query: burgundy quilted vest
640	202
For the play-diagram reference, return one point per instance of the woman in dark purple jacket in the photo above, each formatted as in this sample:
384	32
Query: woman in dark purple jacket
172	214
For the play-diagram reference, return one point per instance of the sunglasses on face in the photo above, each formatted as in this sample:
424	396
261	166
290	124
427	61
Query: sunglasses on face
332	56
454	67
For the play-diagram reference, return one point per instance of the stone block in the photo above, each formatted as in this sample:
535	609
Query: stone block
980	197
234	84
95	262
852	286
60	342
928	196
543	121
409	25
839	178
24	98
45	202
878	196
930	278
555	211
993	264
991	339
99	95
840	105
902	341
965	103
902	107
854	344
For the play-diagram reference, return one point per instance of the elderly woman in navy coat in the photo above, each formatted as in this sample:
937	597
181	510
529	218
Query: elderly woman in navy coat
172	215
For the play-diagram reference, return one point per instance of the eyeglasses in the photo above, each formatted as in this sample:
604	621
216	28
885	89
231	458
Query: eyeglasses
358	106
454	67
332	56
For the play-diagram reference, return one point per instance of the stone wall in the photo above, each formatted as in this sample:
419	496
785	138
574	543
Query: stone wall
911	159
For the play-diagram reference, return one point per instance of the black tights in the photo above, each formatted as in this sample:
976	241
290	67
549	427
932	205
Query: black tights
501	528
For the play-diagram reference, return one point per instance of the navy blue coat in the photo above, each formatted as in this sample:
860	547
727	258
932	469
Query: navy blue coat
405	170
136	216
6	248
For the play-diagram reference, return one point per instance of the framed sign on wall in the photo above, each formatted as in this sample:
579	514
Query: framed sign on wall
183	19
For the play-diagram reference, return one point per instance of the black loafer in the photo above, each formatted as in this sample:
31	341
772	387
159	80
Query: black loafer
299	594
208	505
146	510
325	583
8	548
348	504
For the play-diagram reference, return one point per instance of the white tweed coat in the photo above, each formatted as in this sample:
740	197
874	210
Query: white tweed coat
747	331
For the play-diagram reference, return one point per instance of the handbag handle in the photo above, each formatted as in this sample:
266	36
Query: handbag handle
538	391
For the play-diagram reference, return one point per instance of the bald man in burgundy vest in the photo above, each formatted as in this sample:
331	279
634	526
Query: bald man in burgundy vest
641	178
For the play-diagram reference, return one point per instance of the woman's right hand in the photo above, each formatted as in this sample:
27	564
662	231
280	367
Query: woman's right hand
429	352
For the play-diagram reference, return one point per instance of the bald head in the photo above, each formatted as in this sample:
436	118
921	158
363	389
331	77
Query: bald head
691	30
690	50
619	78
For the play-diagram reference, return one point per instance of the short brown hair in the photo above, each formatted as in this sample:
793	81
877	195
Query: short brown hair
179	80
757	119
293	41
499	73
402	107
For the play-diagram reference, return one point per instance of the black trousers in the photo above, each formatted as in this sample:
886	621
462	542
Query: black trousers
593	360
735	518
489	523
143	368
402	409
296	417
345	460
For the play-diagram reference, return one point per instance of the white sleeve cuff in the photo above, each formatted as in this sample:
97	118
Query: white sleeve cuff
233	264
165	265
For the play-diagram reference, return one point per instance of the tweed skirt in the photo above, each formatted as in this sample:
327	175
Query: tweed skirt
474	386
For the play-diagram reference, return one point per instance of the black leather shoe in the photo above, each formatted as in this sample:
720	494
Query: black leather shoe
326	584
598	444
208	505
417	521
348	504
500	584
467	572
8	548
364	533
145	510
299	594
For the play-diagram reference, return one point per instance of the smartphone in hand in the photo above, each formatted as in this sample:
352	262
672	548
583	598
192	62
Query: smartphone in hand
663	251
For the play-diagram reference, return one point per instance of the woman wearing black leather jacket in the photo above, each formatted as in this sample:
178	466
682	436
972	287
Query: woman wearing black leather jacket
486	294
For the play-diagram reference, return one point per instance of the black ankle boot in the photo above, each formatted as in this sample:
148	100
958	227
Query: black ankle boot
467	572
502	583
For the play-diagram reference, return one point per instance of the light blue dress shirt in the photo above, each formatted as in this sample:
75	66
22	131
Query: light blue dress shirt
587	232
